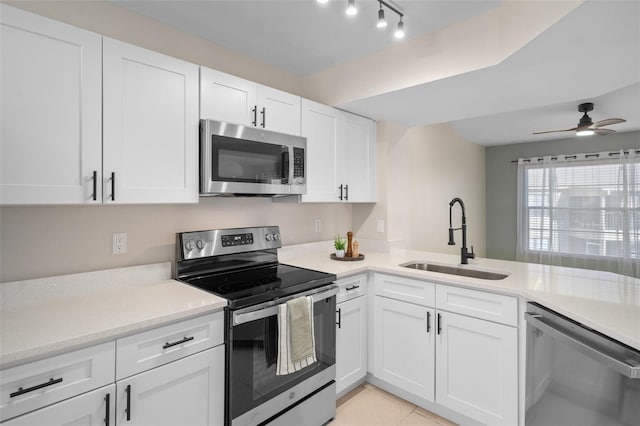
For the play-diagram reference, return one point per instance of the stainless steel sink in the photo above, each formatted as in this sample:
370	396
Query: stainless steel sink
454	270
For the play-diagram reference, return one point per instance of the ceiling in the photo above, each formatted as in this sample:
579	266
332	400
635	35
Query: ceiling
592	54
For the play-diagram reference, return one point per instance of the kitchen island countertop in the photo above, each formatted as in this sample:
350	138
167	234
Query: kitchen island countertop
604	301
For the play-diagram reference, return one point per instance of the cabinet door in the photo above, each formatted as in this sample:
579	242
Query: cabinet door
477	372
320	125
96	408
404	346
189	391
351	343
278	111
150	126
357	158
225	97
51	131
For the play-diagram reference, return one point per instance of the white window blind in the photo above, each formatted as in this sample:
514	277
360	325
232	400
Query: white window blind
581	210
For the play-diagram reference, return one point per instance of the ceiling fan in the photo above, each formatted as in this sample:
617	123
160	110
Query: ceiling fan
586	126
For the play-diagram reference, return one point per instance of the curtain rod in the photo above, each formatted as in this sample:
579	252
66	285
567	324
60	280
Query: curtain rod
570	157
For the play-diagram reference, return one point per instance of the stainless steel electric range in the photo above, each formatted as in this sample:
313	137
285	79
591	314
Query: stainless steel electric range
241	265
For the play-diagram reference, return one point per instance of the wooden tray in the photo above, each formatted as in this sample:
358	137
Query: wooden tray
347	259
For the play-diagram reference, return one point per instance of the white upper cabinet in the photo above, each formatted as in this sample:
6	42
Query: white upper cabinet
150	126
50	137
340	155
225	97
62	141
320	127
357	158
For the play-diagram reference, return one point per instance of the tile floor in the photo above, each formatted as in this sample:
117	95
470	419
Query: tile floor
368	405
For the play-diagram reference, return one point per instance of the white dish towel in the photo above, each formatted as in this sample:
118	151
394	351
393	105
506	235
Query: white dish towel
296	342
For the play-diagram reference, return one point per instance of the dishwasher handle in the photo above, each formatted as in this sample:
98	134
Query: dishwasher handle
614	355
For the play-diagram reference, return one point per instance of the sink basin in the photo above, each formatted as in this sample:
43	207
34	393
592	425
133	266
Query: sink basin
454	270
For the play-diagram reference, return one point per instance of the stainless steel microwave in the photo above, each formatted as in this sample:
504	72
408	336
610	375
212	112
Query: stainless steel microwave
242	160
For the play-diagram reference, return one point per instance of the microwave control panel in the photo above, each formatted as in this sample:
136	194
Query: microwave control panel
298	165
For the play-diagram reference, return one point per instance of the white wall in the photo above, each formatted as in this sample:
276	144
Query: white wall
426	167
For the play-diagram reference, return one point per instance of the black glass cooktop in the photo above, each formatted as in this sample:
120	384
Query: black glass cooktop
252	286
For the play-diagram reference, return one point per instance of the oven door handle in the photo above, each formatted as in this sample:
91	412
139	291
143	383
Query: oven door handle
268	309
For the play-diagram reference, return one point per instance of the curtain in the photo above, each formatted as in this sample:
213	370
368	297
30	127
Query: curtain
581	211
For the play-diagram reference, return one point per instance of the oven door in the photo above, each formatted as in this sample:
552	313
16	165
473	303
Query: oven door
254	392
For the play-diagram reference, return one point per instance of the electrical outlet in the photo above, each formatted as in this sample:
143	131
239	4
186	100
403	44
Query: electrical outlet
119	243
318	225
380	225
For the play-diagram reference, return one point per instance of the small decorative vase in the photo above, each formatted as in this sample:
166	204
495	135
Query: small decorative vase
339	253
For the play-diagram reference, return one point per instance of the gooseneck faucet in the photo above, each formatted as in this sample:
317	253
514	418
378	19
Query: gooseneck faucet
464	253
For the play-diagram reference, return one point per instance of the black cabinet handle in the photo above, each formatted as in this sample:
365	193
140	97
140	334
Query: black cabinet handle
428	322
439	324
128	409
255	115
22	391
113	186
340	198
339	323
264	116
179	342
107	400
95	185
353	287
346	192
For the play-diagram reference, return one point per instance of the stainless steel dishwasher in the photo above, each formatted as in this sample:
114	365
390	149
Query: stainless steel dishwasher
577	376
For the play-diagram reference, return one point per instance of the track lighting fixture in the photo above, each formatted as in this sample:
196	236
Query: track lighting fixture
351	8
400	30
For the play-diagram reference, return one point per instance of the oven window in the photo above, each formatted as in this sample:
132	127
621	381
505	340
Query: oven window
235	160
253	354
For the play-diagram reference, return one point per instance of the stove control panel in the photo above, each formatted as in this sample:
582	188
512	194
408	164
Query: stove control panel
236	240
199	244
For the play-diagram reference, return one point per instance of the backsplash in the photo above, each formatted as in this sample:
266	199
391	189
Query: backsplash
41	241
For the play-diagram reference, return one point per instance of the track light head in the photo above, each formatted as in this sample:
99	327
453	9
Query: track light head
382	23
400	30
351	8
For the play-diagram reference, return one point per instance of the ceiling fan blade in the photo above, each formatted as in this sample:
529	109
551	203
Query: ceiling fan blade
603	132
607	122
555	131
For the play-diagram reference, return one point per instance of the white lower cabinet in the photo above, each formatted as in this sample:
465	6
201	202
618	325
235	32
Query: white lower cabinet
477	369
95	408
461	362
404	346
351	343
189	391
170	375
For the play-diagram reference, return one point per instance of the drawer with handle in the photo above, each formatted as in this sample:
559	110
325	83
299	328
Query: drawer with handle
33	385
149	349
351	287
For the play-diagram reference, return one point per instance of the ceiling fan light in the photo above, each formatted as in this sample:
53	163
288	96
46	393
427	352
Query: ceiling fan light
351	8
400	30
585	132
382	23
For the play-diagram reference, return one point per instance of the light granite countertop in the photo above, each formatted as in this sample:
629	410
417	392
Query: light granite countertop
44	317
606	302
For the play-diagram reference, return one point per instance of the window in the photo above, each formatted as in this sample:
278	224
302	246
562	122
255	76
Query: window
584	207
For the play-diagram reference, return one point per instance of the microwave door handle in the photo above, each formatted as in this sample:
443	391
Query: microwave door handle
291	166
261	311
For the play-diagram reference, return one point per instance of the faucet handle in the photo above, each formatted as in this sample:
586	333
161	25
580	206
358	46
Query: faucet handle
471	255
